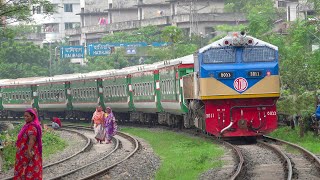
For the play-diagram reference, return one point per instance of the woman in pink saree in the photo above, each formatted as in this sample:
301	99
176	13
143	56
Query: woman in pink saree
28	164
110	124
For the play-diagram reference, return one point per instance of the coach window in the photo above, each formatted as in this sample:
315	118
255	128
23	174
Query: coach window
172	86
148	88
107	91
115	90
121	90
75	93
91	92
94	94
164	87
112	91
82	93
141	89
87	92
61	94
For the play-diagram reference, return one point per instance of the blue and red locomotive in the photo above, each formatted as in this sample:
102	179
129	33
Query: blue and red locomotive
238	86
228	88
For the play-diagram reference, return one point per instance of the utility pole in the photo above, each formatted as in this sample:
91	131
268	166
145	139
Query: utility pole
50	58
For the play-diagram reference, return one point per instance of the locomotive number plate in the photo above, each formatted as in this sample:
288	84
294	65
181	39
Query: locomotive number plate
225	75
254	73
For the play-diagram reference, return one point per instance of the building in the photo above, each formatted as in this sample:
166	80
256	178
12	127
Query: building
50	28
197	17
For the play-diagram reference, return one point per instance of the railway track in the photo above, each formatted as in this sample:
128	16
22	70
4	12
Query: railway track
265	159
305	165
270	158
124	146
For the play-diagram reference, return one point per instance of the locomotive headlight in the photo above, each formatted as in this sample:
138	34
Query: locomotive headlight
268	73
249	41
227	42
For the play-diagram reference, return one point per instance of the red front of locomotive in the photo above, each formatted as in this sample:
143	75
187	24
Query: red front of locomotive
240	117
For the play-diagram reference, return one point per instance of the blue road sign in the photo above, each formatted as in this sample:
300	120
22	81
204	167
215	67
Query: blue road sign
160	44
99	49
71	52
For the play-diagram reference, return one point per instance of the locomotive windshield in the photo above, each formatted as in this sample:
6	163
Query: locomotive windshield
219	55
258	54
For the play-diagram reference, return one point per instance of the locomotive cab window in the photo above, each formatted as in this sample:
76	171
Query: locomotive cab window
219	55
259	54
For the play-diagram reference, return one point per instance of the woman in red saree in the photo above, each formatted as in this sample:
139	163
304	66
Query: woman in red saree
28	164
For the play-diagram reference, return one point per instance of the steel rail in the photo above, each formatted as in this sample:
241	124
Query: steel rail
308	154
136	143
116	147
283	156
239	155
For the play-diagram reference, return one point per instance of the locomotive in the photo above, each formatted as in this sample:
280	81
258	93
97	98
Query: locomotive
228	88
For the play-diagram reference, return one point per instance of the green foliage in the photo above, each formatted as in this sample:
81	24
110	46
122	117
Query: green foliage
309	141
49	139
24	59
20	10
183	157
172	34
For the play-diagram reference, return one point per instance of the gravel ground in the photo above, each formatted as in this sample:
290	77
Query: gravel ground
260	163
142	165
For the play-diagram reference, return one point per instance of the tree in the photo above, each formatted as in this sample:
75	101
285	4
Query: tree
22	60
172	34
19	10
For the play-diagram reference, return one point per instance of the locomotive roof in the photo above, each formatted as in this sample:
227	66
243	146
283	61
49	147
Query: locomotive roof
219	44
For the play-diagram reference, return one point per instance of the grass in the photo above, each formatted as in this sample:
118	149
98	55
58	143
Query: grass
182	157
51	142
309	141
